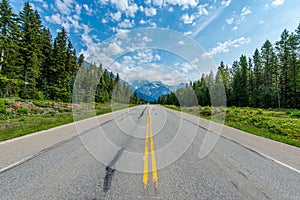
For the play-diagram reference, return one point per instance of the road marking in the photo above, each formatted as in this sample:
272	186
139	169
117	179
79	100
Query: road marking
146	155
154	171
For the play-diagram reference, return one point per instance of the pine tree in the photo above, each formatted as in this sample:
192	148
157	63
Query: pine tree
258	79
283	52
30	25
9	51
46	62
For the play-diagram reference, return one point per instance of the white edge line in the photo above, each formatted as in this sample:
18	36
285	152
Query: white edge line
37	133
16	163
264	155
281	163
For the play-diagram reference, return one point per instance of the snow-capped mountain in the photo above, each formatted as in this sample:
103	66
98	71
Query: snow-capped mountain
151	91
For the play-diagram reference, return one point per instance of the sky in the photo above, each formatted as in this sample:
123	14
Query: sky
172	41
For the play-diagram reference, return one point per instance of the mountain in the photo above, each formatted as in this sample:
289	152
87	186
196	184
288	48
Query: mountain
151	91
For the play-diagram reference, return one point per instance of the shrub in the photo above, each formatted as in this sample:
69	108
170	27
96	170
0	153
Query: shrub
22	111
2	110
295	113
260	111
2	103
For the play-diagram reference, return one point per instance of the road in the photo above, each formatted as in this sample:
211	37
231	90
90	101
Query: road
150	152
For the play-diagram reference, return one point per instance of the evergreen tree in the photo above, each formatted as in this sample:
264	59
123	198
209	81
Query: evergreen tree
30	25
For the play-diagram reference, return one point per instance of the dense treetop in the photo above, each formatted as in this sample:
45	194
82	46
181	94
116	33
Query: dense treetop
268	79
33	65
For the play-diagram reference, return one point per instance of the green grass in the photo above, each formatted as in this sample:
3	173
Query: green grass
42	115
29	124
282	125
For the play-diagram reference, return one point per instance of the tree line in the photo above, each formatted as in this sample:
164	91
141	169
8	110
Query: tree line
33	65
268	79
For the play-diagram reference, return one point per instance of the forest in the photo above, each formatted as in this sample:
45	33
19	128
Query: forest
33	65
268	79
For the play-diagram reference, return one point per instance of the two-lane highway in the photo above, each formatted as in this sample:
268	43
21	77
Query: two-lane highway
149	152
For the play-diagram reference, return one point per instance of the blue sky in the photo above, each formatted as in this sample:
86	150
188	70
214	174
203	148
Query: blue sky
223	29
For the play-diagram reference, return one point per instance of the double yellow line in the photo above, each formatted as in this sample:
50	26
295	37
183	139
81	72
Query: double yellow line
146	155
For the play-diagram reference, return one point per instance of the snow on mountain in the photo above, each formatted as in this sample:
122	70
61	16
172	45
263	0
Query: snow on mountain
151	91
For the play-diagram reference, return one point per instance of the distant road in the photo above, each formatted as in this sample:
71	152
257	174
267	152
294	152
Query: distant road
113	157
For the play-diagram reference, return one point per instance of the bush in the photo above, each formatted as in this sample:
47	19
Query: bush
295	113
2	110
22	111
260	111
2	103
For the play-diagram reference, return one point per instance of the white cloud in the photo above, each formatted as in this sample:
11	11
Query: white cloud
126	24
267	6
180	42
277	3
184	3
104	21
261	22
150	11
202	9
245	11
114	49
88	10
78	9
226	2
64	6
132	9
153	24
230	21
147	39
158	2
187	33
116	16
55	19
224	47
124	6
235	28
142	21
187	19
171	9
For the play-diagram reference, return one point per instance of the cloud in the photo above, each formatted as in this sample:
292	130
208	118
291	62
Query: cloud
88	10
150	11
158	2
124	6
188	33
261	22
64	6
126	24
184	3
224	47
202	9
226	2
170	9
187	19
114	49
230	21
180	42
55	19
245	11
276	3
116	16
235	28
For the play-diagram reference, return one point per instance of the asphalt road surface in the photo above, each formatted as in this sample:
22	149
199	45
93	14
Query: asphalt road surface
148	152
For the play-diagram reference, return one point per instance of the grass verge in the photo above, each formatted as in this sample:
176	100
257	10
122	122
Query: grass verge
282	125
18	118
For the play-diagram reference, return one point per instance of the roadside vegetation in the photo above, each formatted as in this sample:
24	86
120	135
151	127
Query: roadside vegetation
20	117
282	125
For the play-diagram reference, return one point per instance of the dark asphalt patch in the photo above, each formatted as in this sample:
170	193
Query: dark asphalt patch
110	171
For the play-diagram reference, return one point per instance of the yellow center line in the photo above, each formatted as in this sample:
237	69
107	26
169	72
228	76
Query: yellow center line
154	171
145	176
146	155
